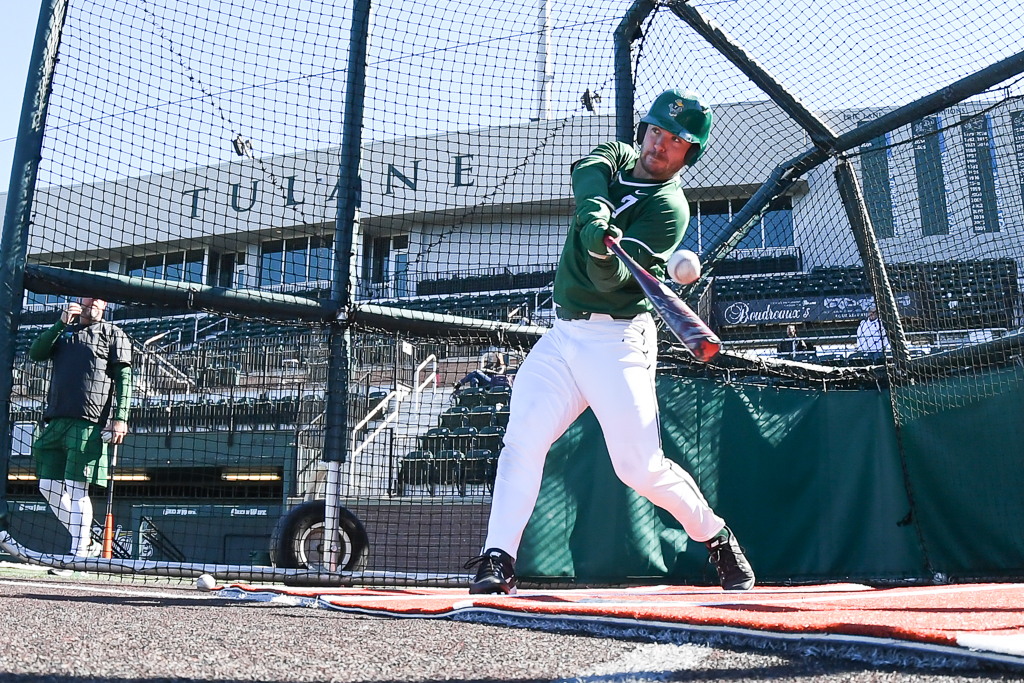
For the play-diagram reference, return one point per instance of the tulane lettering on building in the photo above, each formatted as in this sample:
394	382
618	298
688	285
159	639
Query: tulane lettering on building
294	191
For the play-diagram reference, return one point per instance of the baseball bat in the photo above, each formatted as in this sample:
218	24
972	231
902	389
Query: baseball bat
686	325
108	526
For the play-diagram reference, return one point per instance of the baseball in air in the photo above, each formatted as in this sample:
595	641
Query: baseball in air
684	266
205	582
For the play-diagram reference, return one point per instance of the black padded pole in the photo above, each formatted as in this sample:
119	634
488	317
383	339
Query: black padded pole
871	255
626	32
17	220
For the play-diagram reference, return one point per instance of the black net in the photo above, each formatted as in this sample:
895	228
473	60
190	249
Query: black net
194	151
192	174
908	263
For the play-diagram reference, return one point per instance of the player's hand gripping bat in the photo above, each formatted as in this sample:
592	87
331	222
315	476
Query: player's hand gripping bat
686	325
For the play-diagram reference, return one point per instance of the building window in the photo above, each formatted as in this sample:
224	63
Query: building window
381	251
271	260
95	265
36	301
385	266
321	258
777	224
295	261
223	269
710	220
179	266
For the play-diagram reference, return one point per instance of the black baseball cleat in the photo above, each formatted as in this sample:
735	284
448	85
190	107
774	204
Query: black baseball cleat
734	572
495	573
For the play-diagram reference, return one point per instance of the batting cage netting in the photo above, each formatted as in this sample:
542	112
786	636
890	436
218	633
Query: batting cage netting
330	231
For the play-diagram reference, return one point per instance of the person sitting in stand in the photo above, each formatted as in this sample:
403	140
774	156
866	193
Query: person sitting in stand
791	344
492	364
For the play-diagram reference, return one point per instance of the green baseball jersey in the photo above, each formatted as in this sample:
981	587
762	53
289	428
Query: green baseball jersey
652	216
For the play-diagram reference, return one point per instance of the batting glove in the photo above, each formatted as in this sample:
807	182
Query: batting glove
593	234
593	209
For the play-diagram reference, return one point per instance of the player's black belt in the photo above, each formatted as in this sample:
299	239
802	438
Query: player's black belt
566	314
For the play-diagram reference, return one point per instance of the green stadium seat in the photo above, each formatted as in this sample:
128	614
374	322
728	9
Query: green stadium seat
500	396
448	469
481	416
491	438
416	469
436	439
454	417
479	467
464	438
471	397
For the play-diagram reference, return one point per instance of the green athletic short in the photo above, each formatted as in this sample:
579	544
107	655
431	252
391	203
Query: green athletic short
70	448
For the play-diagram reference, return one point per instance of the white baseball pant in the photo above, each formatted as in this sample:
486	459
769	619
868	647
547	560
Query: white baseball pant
609	365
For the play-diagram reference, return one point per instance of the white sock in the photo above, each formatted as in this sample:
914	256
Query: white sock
59	500
81	517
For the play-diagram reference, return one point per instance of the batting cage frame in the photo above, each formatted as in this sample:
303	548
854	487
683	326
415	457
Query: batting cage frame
343	325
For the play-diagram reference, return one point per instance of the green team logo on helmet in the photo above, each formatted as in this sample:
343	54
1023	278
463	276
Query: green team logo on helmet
682	113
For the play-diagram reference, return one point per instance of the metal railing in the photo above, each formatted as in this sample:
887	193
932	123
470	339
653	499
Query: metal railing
398	395
418	386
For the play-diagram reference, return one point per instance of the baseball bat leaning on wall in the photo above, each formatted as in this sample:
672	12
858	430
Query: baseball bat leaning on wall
108	524
686	325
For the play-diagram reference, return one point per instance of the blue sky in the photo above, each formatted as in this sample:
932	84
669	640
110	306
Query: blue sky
15	48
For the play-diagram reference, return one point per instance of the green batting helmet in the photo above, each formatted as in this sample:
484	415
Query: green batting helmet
682	113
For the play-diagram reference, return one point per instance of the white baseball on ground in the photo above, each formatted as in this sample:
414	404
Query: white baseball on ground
205	582
684	266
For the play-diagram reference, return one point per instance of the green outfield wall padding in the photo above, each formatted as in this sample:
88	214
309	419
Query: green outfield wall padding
249	448
810	481
967	466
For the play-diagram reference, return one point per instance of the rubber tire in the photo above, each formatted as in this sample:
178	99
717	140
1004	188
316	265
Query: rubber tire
302	527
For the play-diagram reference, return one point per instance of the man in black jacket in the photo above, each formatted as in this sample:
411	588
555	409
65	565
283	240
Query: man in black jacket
86	408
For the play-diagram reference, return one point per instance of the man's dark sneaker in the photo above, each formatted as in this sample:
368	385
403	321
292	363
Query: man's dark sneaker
734	572
495	573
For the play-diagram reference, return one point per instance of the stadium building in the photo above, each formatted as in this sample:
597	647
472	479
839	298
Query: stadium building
458	214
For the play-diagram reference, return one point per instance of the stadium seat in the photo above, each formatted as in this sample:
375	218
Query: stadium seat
471	397
500	396
491	438
500	383
454	417
479	467
417	469
464	438
481	416
436	439
448	469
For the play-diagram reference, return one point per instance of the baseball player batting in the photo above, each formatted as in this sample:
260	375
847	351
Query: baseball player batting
602	350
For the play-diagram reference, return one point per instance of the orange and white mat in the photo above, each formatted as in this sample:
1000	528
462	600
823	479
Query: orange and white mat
984	620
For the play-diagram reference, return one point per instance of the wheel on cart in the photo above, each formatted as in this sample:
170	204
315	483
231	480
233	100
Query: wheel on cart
298	540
